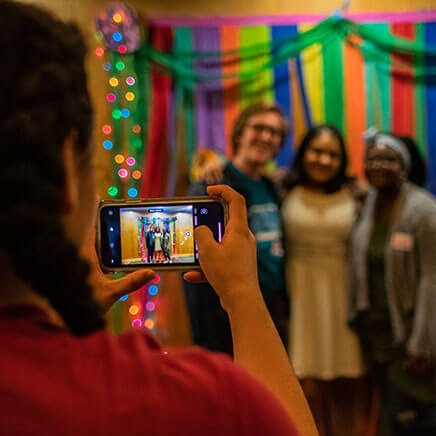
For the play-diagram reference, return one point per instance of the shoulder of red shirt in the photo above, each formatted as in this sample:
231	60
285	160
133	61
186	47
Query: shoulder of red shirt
179	385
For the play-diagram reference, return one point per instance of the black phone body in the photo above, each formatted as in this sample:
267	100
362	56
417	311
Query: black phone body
155	233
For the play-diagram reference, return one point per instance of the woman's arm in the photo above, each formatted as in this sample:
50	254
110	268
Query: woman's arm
231	269
421	336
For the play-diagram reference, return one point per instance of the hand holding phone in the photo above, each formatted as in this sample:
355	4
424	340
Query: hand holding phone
231	266
156	233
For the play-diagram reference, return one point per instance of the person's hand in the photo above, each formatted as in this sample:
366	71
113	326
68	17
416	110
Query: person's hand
107	291
418	366
230	266
212	171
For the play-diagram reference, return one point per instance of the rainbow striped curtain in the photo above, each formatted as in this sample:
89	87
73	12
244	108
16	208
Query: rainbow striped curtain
192	78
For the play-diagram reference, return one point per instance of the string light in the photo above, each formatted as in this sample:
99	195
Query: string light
133	310
136	128
117	18
136	174
125	113
122	49
117	36
119	158
130	96
123	173
137	322
107	66
111	98
150	306
99	52
152	290
113	191
107	144
130	80
132	192
107	129
120	66
116	113
149	323
130	161
113	82
156	279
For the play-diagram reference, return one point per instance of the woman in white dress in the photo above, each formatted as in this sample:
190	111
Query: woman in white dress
158	245
318	213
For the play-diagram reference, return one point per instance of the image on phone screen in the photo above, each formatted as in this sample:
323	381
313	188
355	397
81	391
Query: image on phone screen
156	234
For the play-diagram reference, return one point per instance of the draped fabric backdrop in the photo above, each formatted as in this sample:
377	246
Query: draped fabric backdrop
182	90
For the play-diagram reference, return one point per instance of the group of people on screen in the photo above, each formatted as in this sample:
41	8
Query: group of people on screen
158	244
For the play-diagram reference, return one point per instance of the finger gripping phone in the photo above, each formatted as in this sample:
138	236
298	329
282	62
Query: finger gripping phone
156	233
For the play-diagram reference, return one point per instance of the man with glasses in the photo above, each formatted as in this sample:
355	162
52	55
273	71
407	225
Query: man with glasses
258	135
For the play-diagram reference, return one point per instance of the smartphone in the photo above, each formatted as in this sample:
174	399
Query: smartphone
156	233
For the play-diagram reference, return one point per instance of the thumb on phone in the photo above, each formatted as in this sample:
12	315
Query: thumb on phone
204	239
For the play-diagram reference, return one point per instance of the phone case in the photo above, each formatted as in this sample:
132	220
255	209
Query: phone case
151	201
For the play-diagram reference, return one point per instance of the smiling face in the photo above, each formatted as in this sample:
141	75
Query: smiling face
323	158
261	138
384	167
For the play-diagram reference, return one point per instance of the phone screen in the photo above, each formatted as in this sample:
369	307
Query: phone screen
156	234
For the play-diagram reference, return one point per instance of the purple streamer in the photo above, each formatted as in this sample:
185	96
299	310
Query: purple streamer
209	108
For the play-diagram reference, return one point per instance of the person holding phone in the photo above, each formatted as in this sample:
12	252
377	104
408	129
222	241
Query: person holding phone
62	371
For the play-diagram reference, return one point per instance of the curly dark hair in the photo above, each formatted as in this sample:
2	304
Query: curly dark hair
43	99
297	174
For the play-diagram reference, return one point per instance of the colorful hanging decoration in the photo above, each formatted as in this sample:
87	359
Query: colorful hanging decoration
183	87
191	82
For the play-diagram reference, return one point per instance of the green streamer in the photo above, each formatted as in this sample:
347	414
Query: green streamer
260	57
378	87
333	82
420	112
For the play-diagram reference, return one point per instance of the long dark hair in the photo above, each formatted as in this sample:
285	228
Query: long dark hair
297	174
43	98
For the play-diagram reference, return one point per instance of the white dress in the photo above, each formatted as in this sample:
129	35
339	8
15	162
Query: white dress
317	228
157	244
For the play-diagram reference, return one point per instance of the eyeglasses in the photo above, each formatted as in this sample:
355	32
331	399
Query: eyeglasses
260	127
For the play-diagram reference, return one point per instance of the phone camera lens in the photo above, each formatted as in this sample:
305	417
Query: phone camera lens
204	211
110	212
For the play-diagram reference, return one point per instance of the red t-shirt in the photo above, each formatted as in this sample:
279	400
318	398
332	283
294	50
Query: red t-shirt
52	383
